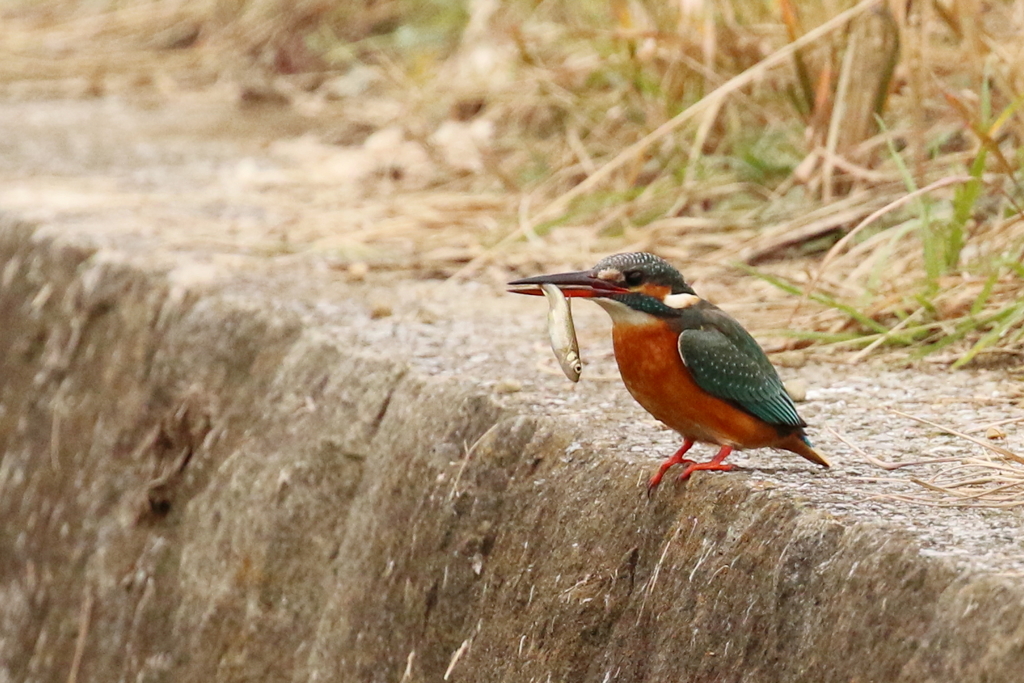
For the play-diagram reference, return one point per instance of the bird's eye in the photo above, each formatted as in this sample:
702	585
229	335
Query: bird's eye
633	277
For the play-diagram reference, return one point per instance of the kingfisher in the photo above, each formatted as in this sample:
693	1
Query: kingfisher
686	361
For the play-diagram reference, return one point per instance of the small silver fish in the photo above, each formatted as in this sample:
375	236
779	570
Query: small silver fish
562	333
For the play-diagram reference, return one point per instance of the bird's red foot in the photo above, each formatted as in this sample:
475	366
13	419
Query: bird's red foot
695	466
715	464
676	459
656	479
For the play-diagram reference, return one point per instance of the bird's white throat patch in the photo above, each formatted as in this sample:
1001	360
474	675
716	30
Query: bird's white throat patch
681	300
624	315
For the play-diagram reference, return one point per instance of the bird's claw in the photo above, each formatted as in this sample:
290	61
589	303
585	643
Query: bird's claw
654	481
705	466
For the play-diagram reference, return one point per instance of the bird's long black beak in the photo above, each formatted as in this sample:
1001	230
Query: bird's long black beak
581	283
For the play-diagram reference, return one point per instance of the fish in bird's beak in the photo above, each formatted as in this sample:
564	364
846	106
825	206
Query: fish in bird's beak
581	283
562	332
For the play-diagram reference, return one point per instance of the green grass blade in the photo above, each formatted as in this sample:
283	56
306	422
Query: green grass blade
984	294
824	299
1012	315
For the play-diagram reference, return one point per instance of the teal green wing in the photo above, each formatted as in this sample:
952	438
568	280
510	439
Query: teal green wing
728	363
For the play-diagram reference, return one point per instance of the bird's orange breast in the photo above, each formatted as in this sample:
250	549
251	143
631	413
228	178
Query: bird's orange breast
654	373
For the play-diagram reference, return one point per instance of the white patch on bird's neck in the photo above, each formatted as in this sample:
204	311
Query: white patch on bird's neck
680	300
624	315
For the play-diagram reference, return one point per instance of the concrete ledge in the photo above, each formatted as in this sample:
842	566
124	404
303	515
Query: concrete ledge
211	487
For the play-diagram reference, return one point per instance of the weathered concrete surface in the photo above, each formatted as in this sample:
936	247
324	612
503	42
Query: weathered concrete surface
216	465
218	486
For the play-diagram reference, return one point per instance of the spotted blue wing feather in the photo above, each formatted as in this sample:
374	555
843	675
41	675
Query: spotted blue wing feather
727	362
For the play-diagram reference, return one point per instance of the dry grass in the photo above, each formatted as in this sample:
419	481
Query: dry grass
994	479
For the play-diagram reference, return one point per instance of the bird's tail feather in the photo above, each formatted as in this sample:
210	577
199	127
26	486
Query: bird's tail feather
801	445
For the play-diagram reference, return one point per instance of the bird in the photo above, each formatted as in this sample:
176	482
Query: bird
686	361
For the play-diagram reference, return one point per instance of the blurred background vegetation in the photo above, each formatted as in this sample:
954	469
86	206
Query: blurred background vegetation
864	158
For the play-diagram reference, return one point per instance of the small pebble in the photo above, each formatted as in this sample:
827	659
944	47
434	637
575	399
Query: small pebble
790	359
508	386
797	390
995	433
428	315
358	271
380	309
